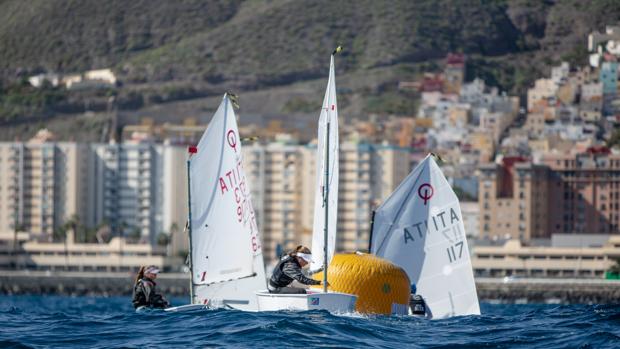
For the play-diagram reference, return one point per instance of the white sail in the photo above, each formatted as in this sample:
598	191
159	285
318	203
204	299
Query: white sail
329	115
227	262
420	228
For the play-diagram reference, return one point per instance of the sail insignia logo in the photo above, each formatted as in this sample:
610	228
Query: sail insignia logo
426	191
314	301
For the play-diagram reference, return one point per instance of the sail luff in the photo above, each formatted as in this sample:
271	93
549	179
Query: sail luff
189	230
326	203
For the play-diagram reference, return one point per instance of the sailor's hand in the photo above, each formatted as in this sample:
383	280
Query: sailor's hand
321	283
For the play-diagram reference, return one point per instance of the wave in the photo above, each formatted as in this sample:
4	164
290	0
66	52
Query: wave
53	321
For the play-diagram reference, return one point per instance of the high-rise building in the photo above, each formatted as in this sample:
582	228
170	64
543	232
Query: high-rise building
571	193
137	189
513	199
584	192
274	175
41	185
282	179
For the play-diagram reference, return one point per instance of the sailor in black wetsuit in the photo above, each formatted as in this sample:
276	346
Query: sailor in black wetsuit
289	269
144	292
416	304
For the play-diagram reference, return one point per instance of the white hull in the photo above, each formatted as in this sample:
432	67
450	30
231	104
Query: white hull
333	301
186	307
237	294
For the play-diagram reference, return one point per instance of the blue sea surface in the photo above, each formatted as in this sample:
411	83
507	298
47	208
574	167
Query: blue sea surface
92	322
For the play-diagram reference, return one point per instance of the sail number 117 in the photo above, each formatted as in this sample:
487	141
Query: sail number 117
455	251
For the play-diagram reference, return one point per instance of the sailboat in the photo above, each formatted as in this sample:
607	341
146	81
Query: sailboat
226	260
420	228
325	211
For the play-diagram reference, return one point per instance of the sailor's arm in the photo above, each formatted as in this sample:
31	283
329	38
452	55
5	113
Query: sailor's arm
295	272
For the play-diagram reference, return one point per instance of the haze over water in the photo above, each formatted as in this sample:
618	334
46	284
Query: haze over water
54	321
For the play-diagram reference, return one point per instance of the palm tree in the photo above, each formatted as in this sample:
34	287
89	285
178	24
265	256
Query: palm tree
70	223
615	269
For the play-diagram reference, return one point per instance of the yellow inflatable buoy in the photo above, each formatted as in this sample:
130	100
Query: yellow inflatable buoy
381	287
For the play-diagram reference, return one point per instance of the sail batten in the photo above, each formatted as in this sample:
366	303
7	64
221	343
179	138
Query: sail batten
420	228
329	116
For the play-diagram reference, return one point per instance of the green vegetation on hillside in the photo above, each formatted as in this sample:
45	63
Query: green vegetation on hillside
22	100
263	43
77	35
166	51
392	102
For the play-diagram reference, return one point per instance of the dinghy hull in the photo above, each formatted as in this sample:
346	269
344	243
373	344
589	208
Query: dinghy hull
334	302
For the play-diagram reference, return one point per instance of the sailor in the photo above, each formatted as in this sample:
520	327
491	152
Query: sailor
144	292
289	269
416	303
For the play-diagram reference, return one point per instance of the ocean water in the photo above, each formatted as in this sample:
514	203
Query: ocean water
91	322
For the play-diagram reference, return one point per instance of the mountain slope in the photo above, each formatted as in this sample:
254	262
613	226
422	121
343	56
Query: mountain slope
175	52
75	35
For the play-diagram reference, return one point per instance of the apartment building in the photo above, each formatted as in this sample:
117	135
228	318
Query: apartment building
40	185
282	179
137	189
513	199
584	192
274	172
564	193
544	89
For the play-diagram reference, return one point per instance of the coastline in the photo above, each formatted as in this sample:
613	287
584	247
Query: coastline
495	290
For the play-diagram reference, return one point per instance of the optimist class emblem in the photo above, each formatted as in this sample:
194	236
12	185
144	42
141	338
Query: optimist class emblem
426	191
314	301
231	136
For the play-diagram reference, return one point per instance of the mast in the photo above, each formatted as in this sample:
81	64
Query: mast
326	204
372	226
189	227
326	180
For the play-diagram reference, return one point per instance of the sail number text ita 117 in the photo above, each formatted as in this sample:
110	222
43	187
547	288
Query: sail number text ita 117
445	222
233	182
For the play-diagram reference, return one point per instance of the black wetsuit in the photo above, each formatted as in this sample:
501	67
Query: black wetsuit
417	305
287	270
145	294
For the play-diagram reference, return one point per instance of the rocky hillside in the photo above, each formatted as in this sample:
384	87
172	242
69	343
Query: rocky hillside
170	51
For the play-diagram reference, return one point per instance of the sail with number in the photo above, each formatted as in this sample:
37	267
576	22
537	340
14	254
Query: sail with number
227	262
327	147
420	228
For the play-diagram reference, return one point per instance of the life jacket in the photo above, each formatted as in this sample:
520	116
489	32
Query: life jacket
139	298
278	278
